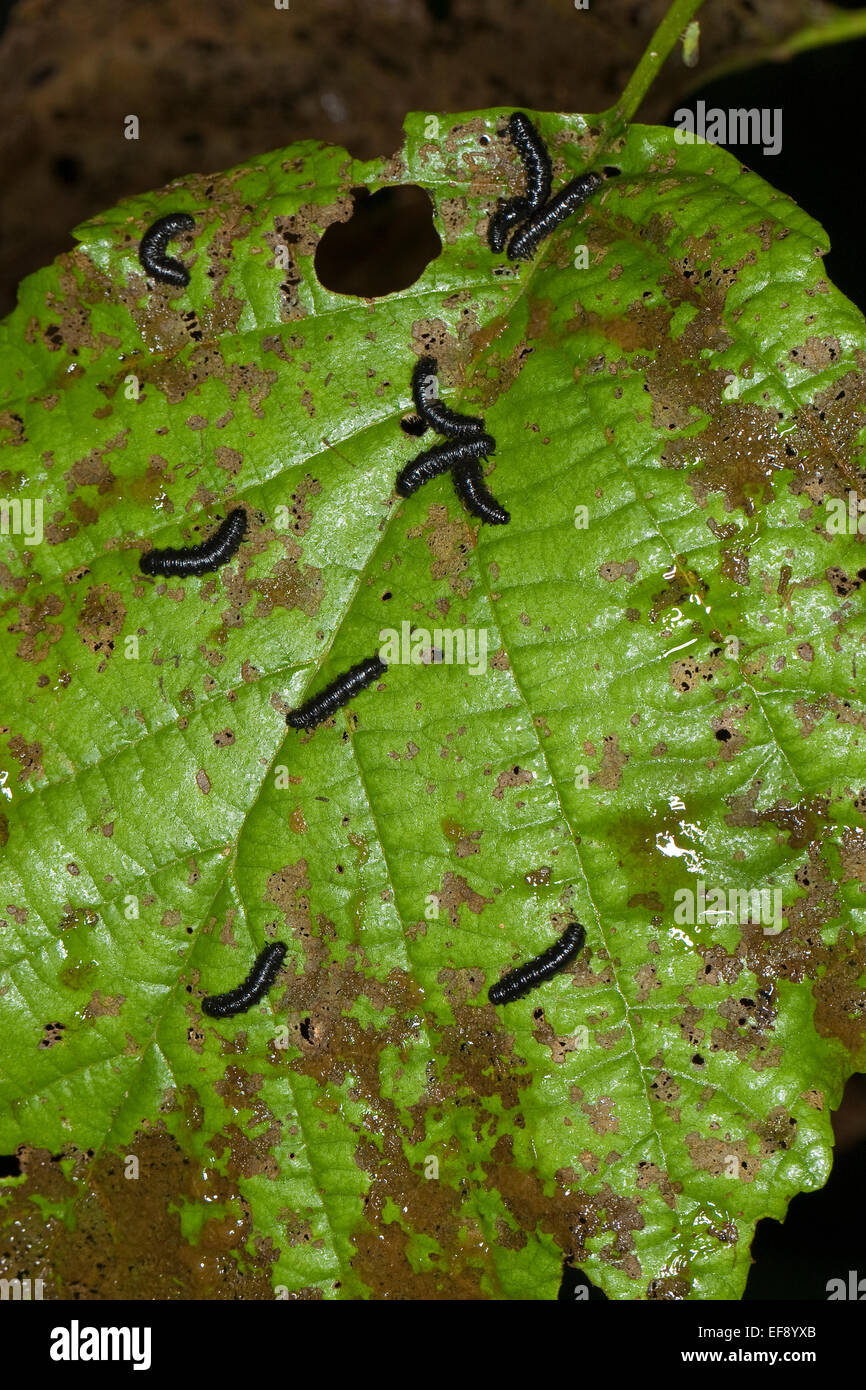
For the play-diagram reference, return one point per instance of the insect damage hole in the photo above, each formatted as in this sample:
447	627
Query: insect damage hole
385	246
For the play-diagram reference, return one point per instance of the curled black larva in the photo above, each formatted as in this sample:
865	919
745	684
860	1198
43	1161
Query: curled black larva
527	977
433	411
542	223
217	550
320	707
510	213
439	459
151	251
536	164
474	493
253	988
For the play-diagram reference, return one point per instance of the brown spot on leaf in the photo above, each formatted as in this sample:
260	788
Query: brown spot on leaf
613	760
103	1006
514	777
92	470
538	878
668	1288
730	738
290	585
128	1243
798	820
852	855
646	979
52	1035
723	1157
649	1175
101	620
39	635
688	673
230	460
29	755
739	450
454	893
651	901
841	582
451	544
612	570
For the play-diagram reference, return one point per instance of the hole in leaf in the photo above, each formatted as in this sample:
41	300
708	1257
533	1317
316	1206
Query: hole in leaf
574	1280
9	1166
384	247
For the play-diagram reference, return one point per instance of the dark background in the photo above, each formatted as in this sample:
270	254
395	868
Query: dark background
216	84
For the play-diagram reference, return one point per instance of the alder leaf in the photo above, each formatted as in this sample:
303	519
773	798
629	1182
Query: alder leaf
658	717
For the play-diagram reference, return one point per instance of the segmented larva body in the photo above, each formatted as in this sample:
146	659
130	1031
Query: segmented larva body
433	411
527	977
151	251
216	551
510	213
536	160
542	223
474	493
320	707
467	443
253	988
536	165
439	459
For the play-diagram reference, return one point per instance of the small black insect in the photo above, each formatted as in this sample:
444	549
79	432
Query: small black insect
562	205
413	424
536	163
254	987
526	977
151	251
474	493
217	550
425	393
439	459
320	707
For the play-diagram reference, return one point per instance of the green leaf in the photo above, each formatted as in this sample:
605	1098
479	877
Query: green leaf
669	699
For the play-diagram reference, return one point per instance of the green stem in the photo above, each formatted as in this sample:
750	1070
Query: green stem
840	27
837	26
660	45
